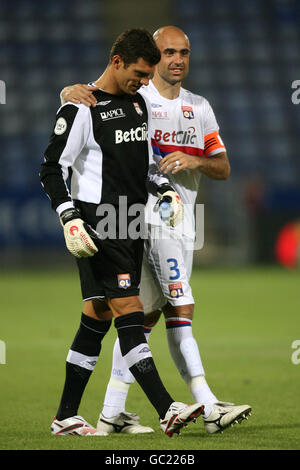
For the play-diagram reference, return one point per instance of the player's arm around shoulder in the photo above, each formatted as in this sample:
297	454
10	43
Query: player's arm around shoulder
79	93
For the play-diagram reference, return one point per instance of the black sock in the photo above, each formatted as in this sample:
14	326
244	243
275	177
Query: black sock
137	354
81	360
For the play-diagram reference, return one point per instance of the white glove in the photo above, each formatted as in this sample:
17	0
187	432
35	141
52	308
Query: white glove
78	234
167	194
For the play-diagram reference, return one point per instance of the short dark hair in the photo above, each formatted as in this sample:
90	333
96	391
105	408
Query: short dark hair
134	44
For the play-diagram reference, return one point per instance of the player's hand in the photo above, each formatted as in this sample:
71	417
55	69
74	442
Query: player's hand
178	161
167	194
78	234
79	93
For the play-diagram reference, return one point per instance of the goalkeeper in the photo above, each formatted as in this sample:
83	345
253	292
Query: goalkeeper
107	151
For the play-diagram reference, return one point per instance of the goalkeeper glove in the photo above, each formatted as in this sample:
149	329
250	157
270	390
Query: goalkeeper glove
167	194
78	234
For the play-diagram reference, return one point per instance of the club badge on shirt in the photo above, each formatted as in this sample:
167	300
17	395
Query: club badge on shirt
188	112
124	281
138	108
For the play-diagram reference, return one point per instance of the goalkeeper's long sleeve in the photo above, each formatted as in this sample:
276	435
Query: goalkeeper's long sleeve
66	142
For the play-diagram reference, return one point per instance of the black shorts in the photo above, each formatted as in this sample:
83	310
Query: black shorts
115	271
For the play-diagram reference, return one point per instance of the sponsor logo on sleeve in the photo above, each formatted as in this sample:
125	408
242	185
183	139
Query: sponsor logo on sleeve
61	126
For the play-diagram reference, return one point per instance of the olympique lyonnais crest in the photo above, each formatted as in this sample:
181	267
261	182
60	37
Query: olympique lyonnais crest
188	112
176	290
124	281
138	108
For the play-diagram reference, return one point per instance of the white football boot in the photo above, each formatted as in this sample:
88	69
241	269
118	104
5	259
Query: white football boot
127	423
225	414
74	426
179	415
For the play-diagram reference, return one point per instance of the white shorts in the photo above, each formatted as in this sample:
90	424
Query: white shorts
167	268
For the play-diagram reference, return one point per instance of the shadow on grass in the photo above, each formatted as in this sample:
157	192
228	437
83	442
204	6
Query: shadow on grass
274	426
246	430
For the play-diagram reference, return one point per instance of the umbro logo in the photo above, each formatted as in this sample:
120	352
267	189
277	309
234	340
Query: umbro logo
92	363
103	103
88	364
145	349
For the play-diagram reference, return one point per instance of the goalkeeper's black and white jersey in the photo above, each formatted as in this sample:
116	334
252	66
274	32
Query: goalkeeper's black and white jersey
107	148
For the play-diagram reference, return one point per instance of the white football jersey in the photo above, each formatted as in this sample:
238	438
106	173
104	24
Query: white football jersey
187	124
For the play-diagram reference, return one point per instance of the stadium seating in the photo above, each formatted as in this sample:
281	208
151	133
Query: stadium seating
244	60
46	45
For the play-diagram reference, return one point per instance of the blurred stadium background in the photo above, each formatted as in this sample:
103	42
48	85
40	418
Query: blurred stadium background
245	58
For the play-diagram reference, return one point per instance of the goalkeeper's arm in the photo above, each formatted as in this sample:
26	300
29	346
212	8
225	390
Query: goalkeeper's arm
78	234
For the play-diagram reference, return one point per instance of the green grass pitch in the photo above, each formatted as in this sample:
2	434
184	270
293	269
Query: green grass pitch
245	323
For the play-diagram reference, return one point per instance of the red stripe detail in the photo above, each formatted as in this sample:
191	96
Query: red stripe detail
170	424
175	322
70	428
182	148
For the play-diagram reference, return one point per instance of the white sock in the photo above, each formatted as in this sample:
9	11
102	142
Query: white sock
202	393
119	383
115	398
183	347
185	353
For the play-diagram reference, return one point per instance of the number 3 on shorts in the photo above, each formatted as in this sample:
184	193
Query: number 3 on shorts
174	268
